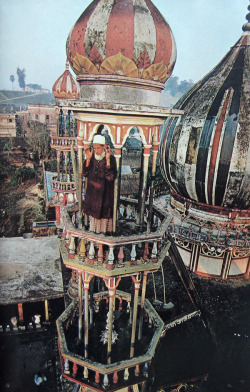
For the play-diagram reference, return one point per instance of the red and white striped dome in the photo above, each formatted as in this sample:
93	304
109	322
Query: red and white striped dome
66	86
206	153
122	37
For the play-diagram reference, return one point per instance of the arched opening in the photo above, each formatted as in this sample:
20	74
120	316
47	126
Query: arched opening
61	123
67	124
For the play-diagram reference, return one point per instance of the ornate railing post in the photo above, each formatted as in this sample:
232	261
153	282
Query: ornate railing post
137	280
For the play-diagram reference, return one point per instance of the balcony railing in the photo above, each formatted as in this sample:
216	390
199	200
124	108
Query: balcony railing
63	142
112	376
62	185
214	238
141	251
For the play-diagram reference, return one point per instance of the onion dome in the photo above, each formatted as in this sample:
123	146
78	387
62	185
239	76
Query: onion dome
206	153
122	37
66	87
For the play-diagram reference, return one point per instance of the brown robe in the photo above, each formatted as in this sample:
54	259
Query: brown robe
99	196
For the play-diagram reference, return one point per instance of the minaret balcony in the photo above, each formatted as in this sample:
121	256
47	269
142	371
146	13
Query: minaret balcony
129	251
65	190
93	370
62	185
63	142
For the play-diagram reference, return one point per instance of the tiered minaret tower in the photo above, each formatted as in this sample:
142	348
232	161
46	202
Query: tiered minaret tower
122	53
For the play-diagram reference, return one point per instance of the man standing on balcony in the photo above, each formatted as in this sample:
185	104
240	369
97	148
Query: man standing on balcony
100	170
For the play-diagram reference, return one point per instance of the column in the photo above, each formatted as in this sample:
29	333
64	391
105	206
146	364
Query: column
151	190
143	295
118	154
86	280
136	280
111	285
110	322
227	259
65	112
194	257
65	153
58	156
144	175
80	169
248	267
58	214
46	304
80	306
20	312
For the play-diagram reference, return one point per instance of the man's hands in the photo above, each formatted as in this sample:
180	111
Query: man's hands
108	153
89	154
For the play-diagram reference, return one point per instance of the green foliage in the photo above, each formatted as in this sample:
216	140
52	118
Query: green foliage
21	174
34	86
21	77
7	147
6	169
175	87
12	79
51	165
39	139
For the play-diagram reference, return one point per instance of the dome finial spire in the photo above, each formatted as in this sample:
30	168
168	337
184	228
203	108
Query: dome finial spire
246	26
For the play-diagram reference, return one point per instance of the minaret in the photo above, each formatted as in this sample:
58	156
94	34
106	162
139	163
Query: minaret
122	55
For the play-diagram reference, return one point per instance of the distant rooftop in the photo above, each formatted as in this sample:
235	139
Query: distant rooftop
27	273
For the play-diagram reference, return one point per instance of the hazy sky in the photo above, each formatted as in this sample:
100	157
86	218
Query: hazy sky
33	34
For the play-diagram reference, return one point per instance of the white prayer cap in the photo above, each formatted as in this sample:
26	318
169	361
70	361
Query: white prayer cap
99	139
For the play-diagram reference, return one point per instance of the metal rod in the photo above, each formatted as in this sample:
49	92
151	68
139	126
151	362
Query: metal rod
144	188
86	319
143	295
135	309
154	286
80	169
164	288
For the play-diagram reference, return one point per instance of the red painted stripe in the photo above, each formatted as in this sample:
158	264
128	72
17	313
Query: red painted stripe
74	85
244	43
163	36
64	81
215	147
120	31
77	36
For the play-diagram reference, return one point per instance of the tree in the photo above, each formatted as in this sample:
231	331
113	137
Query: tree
39	139
184	86
172	85
21	77
12	79
34	86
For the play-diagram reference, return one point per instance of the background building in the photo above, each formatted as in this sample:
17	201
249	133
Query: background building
8	125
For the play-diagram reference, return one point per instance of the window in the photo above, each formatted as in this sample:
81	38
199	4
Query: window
10	119
47	117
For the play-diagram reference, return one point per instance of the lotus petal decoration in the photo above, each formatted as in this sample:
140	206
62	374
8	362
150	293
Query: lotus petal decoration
119	65
82	65
157	72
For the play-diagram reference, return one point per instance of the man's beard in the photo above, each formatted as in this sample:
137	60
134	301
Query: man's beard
100	157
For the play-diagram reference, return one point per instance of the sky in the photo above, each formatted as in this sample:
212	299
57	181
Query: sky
33	35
